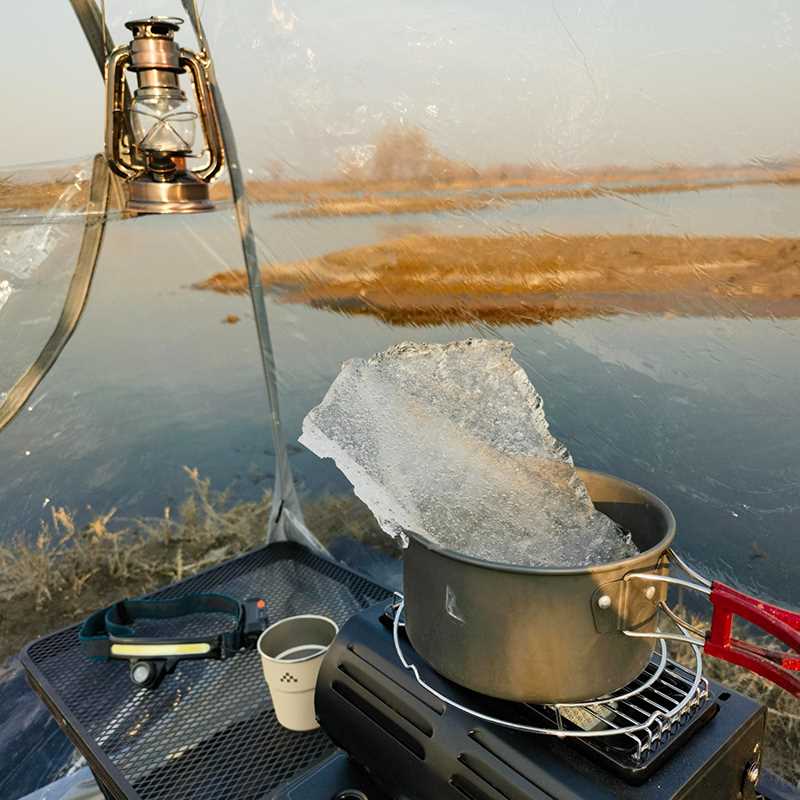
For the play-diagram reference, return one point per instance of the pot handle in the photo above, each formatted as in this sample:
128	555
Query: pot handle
778	666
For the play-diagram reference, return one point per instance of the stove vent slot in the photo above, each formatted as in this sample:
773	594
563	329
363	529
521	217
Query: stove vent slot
388	692
375	662
503	781
469	788
387	720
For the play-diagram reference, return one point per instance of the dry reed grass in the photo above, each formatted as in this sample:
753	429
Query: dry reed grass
66	570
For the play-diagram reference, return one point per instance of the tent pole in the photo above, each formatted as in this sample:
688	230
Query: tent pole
286	516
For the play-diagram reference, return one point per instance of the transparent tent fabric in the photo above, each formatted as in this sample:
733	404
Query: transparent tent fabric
38	252
561	176
77	293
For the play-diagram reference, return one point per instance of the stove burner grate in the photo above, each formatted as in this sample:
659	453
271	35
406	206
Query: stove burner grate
639	730
629	728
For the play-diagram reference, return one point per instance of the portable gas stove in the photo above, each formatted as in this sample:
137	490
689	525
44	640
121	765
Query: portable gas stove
412	735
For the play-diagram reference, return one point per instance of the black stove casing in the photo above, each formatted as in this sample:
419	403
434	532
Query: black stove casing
412	745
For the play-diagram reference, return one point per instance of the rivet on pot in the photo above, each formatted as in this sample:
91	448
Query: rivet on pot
604	601
650	592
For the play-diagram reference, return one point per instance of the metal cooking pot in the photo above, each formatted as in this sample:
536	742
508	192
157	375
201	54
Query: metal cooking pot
552	635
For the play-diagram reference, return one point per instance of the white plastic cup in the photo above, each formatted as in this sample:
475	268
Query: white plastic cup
291	654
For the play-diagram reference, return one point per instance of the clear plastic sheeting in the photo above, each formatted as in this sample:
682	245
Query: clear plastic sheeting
42	215
531	172
44	193
451	442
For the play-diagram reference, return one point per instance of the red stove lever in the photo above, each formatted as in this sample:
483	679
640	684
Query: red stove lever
777	666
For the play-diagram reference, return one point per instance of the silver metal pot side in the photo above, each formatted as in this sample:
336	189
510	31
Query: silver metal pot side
542	635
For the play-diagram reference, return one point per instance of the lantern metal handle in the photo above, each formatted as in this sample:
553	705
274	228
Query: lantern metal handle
118	151
208	114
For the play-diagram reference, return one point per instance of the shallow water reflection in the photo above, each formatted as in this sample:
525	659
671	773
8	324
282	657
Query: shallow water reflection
699	410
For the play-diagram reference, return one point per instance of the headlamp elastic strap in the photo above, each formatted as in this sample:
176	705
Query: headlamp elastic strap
110	634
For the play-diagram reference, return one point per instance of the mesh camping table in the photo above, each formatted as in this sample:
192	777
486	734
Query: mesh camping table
208	731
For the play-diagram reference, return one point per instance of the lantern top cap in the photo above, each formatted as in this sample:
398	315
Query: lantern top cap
154	27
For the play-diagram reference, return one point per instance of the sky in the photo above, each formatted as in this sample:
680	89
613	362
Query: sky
631	82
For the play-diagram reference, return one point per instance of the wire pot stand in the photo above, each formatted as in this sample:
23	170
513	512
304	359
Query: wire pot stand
644	712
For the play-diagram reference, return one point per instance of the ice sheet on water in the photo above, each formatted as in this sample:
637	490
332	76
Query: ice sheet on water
451	441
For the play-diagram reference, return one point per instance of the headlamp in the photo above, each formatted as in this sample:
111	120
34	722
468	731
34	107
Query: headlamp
109	633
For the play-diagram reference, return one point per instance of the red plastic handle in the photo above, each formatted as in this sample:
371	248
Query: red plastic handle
777	666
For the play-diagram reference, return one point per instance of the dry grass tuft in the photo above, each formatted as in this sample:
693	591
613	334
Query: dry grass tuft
333	515
66	571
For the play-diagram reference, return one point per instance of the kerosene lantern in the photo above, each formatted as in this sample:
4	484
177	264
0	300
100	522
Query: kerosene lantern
150	134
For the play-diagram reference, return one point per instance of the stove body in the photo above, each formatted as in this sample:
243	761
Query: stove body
410	745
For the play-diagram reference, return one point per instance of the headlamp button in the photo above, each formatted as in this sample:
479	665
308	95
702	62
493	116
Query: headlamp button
141	673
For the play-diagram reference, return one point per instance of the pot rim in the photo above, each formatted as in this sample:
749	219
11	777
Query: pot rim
625	564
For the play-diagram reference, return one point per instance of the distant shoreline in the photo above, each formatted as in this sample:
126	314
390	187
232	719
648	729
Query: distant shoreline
537	180
373	205
349	196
